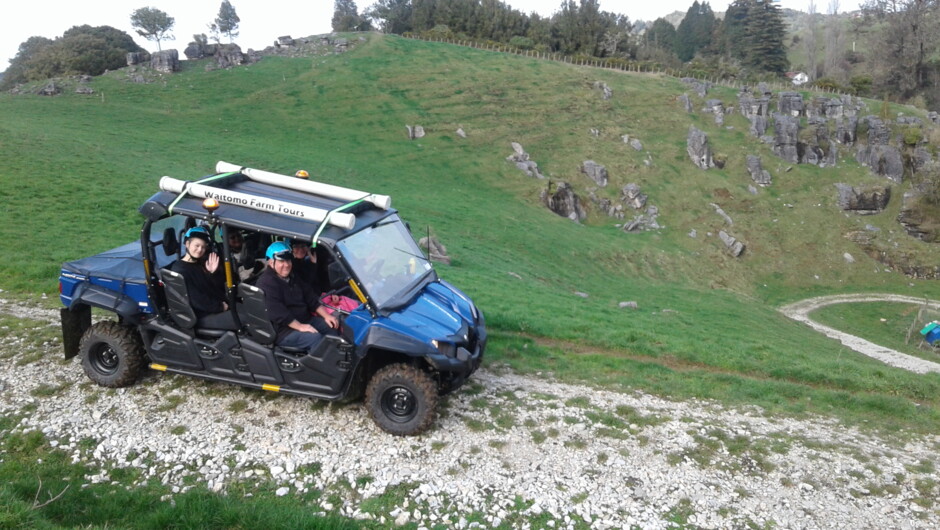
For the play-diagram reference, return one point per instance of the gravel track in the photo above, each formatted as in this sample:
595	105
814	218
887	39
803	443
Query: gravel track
507	448
799	311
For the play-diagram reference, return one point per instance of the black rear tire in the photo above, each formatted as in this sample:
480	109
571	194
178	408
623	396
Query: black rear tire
402	399
112	354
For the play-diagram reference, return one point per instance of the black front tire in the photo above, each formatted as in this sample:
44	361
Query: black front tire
112	354
402	400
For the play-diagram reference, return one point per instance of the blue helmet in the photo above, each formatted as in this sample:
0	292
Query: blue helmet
199	232
279	250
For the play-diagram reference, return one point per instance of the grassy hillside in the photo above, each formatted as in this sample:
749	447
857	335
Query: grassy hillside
73	170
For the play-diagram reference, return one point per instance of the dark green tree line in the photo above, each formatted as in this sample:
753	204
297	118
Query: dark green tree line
582	28
579	27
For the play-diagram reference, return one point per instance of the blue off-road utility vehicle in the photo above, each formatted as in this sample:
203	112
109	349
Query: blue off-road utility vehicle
407	337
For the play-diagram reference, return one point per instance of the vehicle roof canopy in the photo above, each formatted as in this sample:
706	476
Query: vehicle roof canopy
247	217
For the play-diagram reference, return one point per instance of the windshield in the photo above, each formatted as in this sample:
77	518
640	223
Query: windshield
386	260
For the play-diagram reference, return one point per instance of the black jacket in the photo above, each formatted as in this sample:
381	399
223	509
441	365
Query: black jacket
287	300
306	271
206	290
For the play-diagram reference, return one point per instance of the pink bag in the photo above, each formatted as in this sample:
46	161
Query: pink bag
343	303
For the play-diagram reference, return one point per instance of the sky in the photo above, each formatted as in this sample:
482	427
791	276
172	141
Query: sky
262	22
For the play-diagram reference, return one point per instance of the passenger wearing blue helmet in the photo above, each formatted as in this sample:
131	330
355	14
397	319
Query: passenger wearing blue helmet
204	283
293	305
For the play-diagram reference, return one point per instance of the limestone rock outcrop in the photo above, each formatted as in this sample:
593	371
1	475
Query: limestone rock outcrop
734	247
594	171
865	201
563	201
786	137
698	149
521	159
166	61
758	174
229	55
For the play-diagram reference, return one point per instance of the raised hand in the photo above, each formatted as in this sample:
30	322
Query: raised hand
212	262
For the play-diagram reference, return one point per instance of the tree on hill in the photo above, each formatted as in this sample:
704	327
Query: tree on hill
662	35
732	33
394	15
89	50
497	21
226	23
582	28
752	33
346	17
538	31
422	15
765	35
904	50
80	53
113	37
812	41
20	68
834	57
695	32
658	44
152	24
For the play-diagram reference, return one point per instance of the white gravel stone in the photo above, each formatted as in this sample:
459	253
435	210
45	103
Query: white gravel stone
456	471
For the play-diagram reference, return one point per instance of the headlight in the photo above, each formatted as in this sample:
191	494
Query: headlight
446	348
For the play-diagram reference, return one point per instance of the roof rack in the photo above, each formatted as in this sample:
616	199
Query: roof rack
308	186
201	190
336	217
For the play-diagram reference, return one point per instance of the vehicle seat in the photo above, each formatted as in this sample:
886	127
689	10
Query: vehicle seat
177	301
253	314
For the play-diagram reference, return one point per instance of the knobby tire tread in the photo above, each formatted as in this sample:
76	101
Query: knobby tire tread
127	344
425	387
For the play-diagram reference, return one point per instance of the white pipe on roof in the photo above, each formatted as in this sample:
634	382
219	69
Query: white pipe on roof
340	219
309	186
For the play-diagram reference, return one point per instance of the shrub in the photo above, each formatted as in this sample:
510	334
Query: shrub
913	136
861	85
827	83
523	43
854	57
439	32
80	50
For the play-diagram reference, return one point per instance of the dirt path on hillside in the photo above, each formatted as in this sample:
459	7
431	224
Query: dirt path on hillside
799	311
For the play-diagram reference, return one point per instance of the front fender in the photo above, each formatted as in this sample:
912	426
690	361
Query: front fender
379	337
389	339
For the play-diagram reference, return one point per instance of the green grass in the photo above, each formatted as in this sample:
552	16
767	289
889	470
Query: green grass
890	324
41	488
74	169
